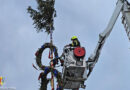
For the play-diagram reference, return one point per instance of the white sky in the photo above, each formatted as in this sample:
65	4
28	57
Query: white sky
83	18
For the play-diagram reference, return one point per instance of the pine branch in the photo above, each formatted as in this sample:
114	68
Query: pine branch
43	17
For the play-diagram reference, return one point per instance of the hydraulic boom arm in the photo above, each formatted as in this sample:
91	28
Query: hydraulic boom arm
92	60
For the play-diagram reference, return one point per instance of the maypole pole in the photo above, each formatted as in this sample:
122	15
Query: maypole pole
51	64
51	56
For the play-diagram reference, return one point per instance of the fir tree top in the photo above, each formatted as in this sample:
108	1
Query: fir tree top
43	17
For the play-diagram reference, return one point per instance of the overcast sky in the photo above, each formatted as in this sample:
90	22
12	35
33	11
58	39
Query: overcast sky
83	18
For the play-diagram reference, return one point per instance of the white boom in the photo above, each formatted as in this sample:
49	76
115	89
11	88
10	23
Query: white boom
126	18
121	5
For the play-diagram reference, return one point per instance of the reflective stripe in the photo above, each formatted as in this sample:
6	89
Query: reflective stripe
75	43
72	44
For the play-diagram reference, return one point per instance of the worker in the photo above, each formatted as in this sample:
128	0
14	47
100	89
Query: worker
75	42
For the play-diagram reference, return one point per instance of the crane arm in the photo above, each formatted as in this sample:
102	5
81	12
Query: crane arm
126	18
92	60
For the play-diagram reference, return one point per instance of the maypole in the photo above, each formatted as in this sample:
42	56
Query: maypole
43	19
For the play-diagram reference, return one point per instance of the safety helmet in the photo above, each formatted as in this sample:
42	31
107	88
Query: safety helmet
74	37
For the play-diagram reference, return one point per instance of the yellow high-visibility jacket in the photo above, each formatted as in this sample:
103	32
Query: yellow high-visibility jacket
75	43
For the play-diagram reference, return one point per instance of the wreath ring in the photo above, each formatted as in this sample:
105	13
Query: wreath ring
48	69
39	52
